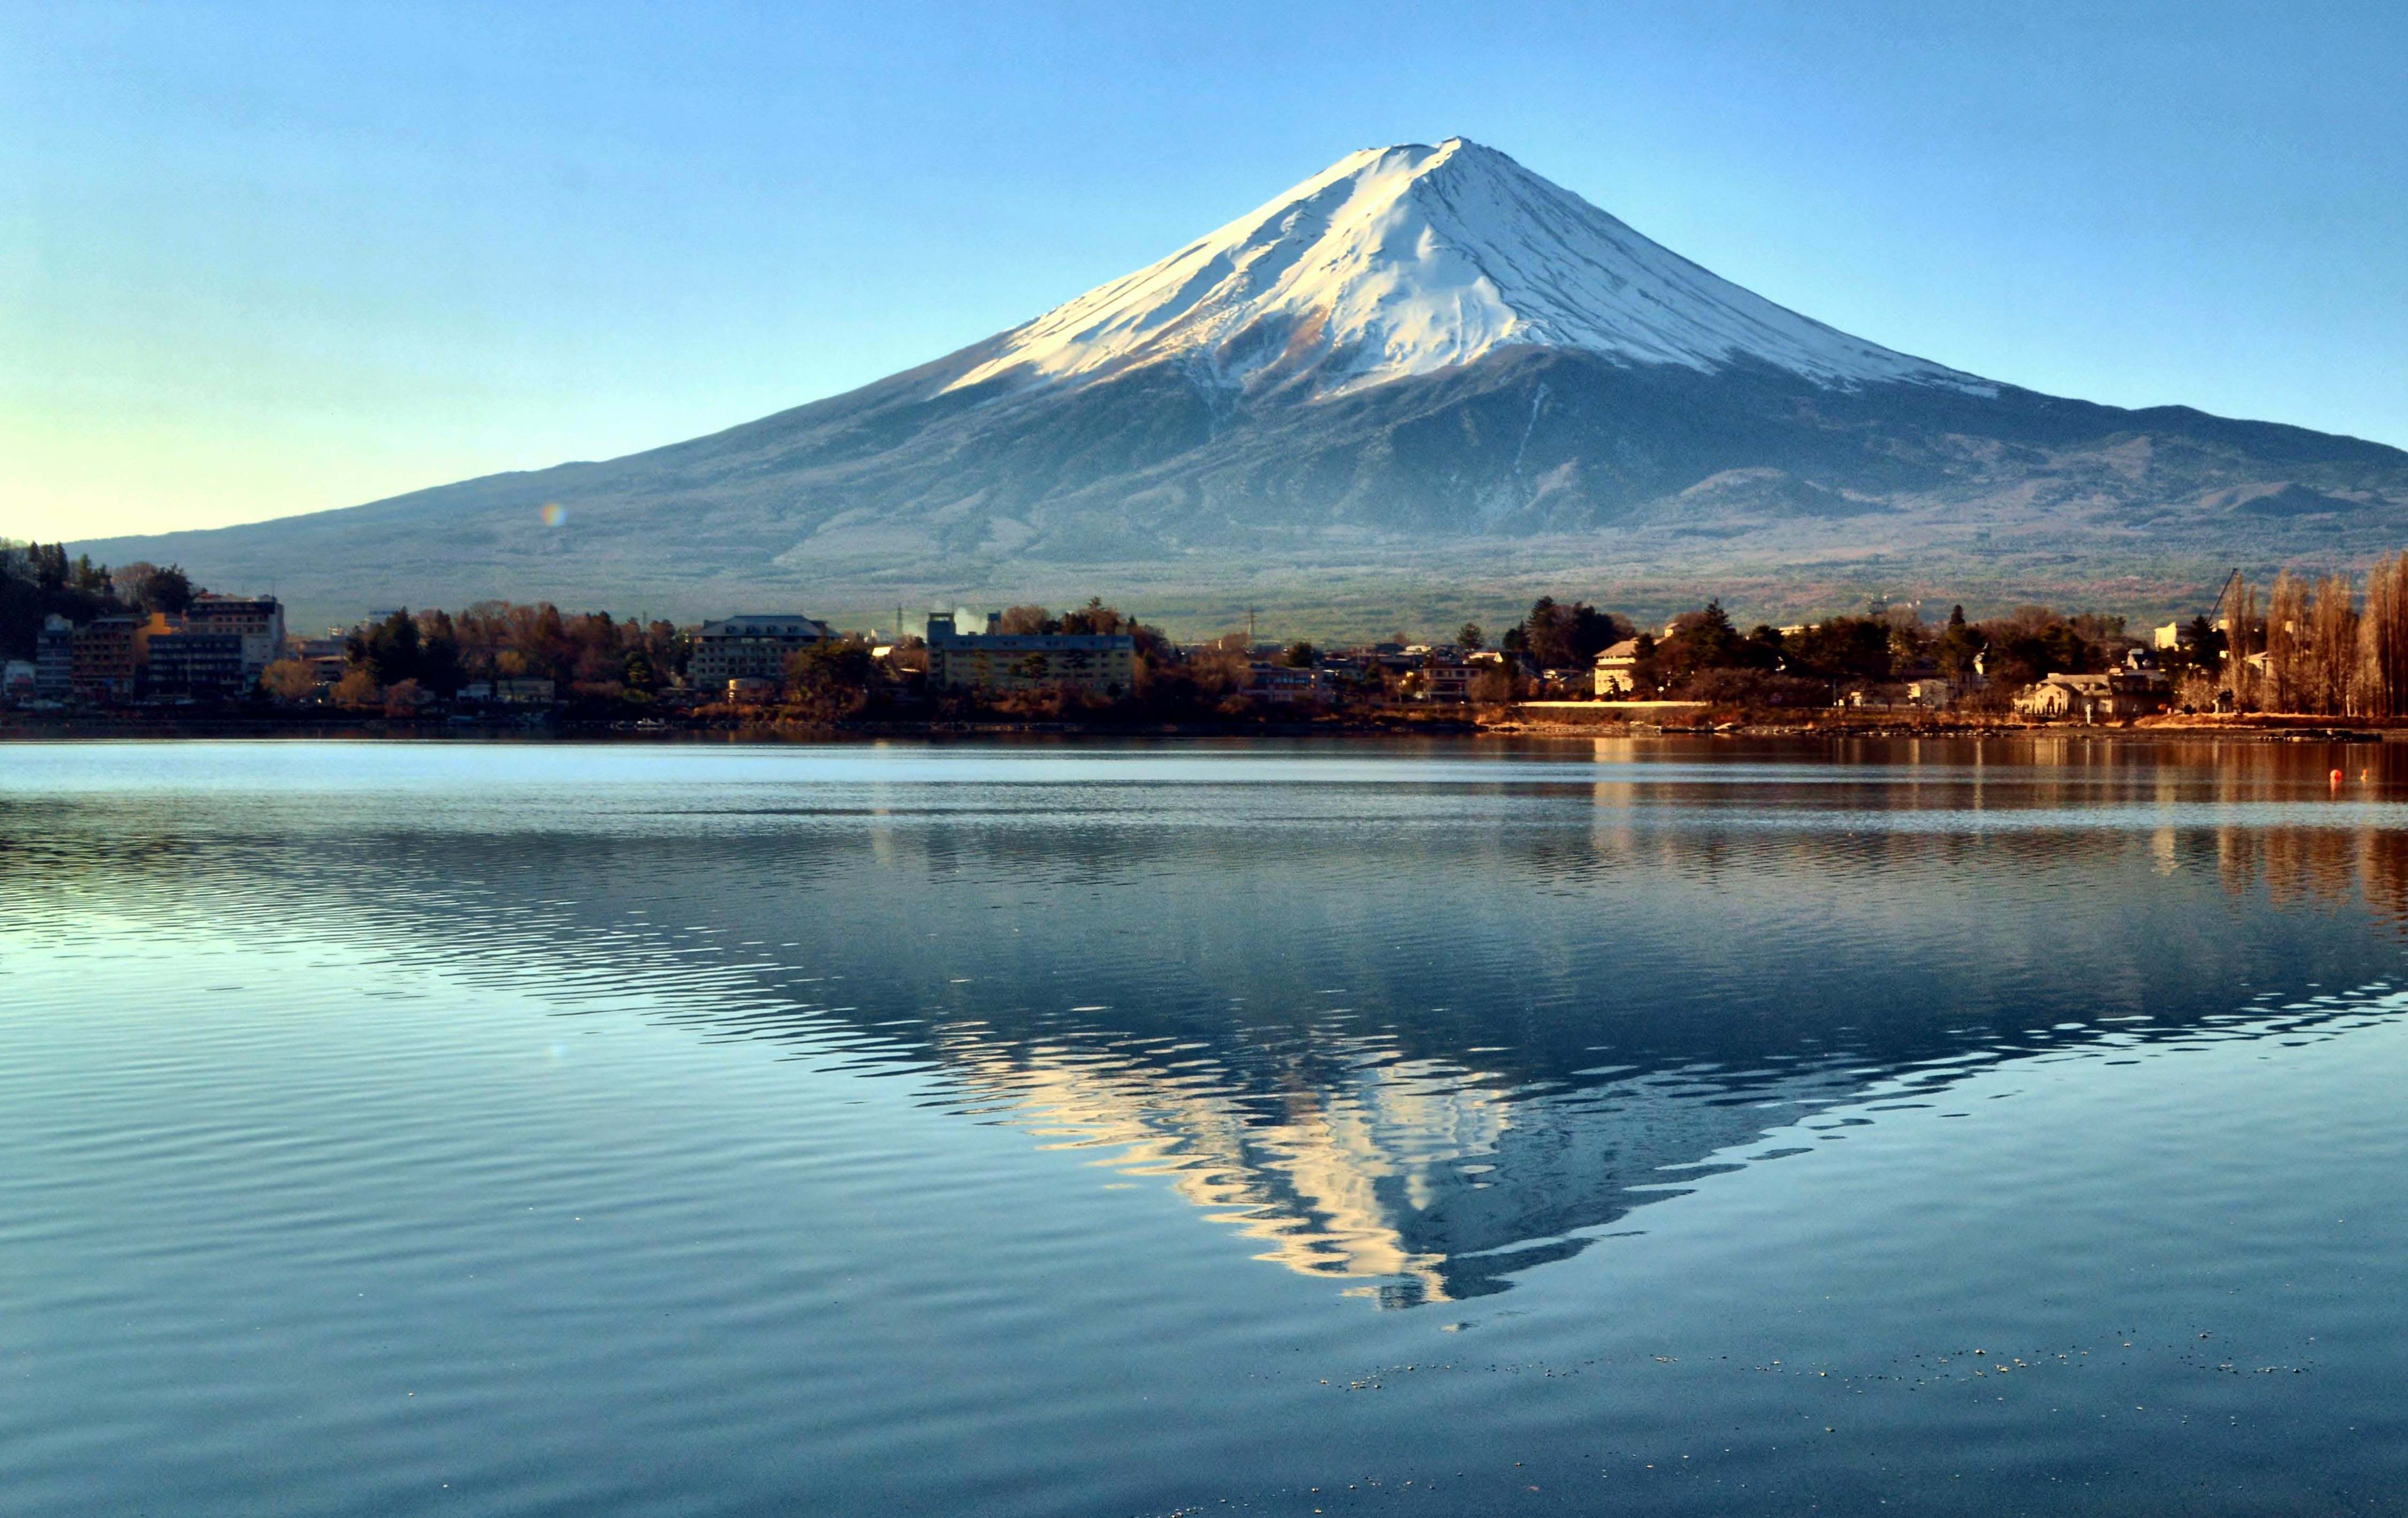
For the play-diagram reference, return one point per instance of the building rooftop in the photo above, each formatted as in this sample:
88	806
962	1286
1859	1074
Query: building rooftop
1033	642
766	624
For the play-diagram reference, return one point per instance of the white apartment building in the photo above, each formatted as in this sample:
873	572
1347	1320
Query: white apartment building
753	646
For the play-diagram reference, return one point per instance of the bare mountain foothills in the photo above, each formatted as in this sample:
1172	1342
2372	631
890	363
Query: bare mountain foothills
1425	382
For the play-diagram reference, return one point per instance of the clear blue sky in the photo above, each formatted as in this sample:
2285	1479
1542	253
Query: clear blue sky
261	259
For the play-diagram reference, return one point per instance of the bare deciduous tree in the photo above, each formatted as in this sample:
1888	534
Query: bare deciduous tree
2330	647
2240	643
2383	639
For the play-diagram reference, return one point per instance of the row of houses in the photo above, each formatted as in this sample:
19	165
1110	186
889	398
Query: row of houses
213	649
2137	690
217	647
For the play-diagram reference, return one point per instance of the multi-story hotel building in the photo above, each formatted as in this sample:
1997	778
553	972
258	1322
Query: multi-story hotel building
749	648
257	619
1102	662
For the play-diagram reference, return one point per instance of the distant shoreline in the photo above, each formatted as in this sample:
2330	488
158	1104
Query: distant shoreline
1505	723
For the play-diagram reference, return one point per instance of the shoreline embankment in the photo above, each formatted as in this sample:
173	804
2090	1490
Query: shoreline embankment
1549	719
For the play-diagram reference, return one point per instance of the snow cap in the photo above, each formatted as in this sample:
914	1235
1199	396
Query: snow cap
1416	257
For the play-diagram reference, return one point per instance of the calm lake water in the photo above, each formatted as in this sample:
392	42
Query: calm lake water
1614	1127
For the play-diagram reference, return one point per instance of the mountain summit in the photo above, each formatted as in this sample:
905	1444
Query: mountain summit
1422	382
1400	261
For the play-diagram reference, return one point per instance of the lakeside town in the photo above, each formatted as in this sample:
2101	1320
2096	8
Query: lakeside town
143	642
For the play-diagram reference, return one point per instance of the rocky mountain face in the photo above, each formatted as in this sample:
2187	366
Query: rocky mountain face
1423	380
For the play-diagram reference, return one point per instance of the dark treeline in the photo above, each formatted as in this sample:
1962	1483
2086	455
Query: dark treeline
1556	635
38	581
590	656
1093	618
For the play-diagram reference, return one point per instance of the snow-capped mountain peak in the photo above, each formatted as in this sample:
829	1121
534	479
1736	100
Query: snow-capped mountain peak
1401	261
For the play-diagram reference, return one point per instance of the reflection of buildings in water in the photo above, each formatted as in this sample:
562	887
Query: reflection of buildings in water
2383	873
2318	868
2309	867
2301	861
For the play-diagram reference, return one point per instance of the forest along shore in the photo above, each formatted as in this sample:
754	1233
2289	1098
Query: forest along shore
141	648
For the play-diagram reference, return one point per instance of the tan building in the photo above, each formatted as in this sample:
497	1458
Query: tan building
1267	681
1447	681
104	658
329	657
1104	664
2095	698
1617	670
257	619
1932	692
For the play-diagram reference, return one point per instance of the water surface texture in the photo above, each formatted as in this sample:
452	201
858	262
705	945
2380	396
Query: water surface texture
1615	1127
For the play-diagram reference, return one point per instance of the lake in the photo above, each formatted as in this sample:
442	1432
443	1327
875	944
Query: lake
1674	1126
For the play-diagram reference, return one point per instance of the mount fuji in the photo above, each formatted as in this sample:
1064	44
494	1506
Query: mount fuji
1422	380
1400	262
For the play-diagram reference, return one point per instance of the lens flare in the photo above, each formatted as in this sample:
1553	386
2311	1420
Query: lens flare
554	513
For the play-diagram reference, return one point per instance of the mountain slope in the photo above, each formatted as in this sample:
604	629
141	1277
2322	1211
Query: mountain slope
1424	378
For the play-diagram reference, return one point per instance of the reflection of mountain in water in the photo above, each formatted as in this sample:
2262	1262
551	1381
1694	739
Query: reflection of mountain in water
1420	1174
1416	1035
